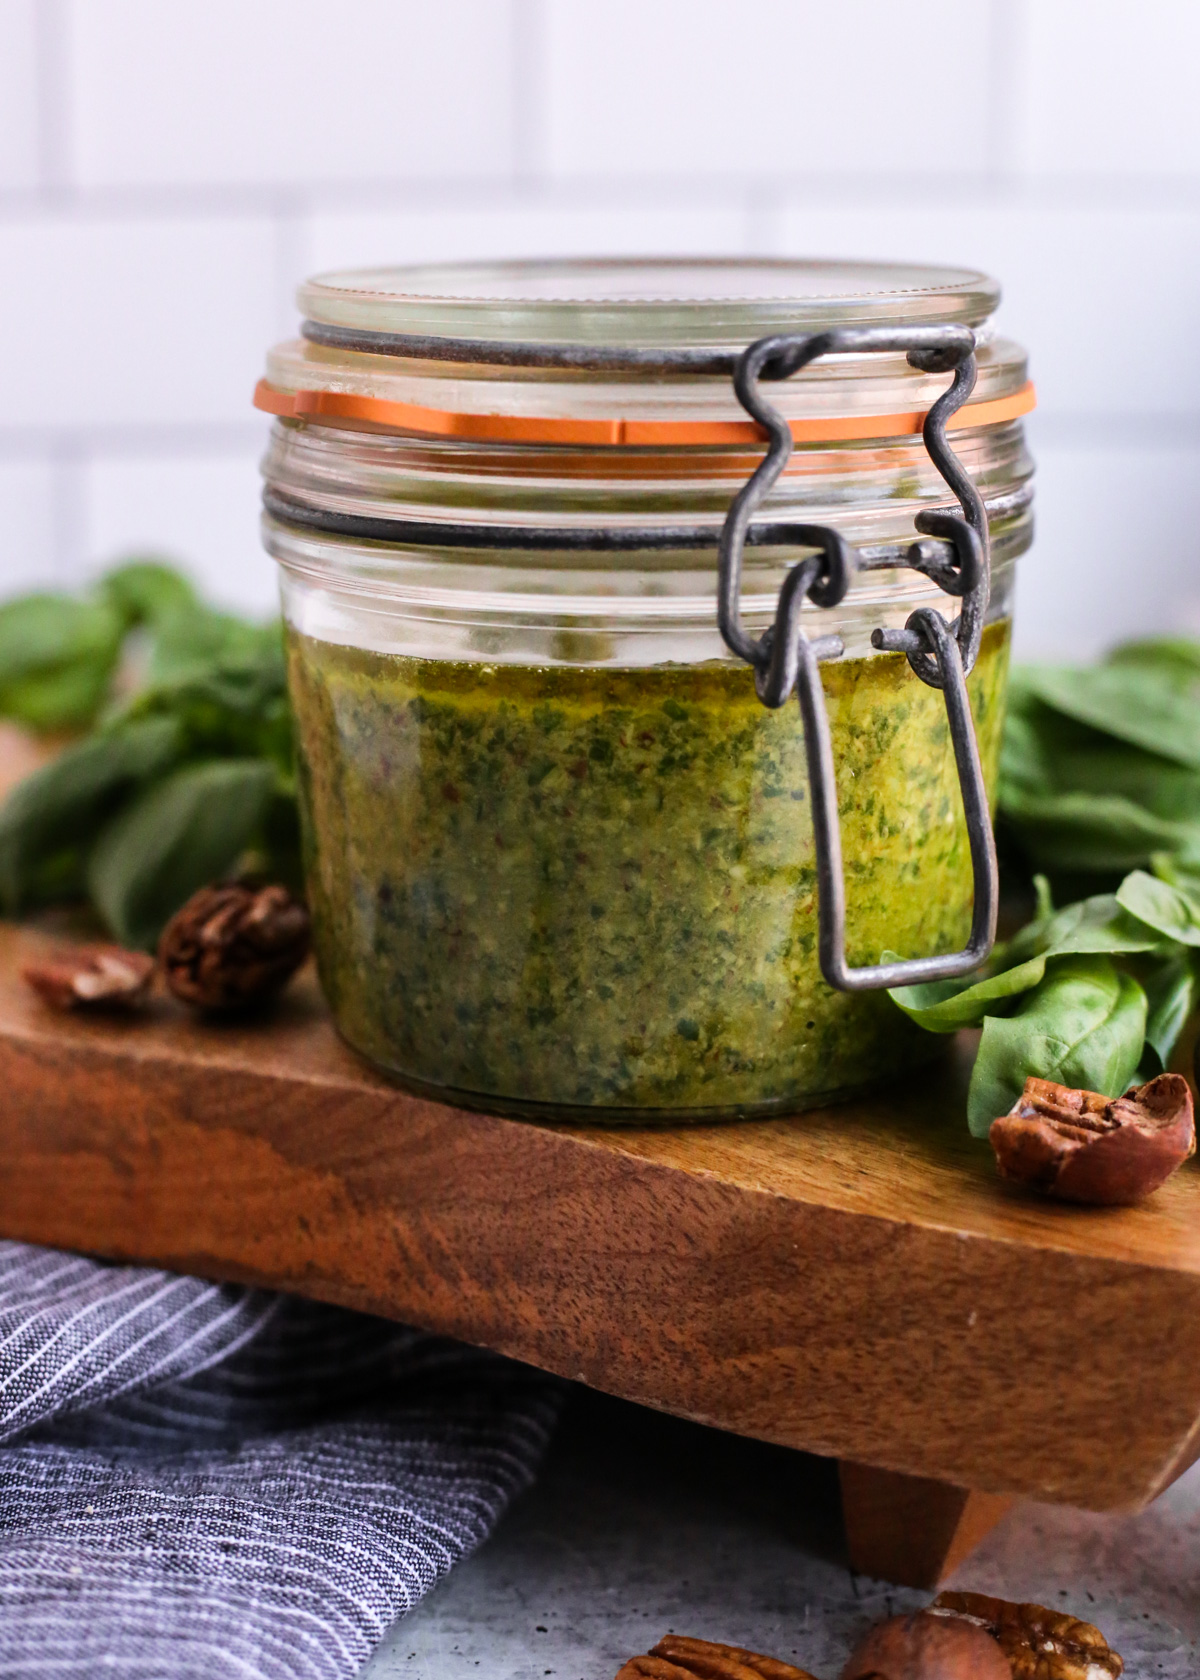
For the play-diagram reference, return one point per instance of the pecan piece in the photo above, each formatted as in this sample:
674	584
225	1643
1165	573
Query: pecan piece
234	945
92	977
679	1658
1040	1644
924	1646
1082	1147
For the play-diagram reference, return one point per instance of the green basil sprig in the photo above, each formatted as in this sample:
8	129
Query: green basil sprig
57	659
1083	1025
1172	993
1100	767
1099	779
188	771
1157	904
1088	995
49	821
1132	700
177	836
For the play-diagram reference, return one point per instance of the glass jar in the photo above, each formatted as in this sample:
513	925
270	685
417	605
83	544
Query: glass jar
560	857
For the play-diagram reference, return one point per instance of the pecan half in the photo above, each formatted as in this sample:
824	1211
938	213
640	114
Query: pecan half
678	1658
928	1647
235	945
1040	1644
92	977
1082	1147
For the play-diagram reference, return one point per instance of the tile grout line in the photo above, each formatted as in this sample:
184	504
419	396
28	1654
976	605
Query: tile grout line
169	438
54	126
993	189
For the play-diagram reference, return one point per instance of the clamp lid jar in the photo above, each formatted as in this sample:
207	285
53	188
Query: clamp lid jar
561	855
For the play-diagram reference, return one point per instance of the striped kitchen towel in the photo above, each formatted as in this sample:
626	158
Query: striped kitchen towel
199	1481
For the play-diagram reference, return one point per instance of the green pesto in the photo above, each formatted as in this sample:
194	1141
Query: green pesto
583	887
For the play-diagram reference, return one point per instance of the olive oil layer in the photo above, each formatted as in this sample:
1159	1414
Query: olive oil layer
578	886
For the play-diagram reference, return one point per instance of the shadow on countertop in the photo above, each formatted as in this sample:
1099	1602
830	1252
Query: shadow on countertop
643	1524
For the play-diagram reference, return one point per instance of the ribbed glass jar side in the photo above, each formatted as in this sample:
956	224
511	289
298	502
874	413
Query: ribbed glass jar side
879	480
603	607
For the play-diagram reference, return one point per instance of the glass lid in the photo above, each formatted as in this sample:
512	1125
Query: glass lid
666	302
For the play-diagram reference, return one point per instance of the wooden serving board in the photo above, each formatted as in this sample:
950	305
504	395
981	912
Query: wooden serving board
853	1281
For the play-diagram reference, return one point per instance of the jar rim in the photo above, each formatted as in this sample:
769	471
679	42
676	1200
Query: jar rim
670	303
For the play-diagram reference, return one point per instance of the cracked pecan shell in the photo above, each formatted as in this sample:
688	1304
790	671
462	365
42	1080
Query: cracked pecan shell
1084	1147
1039	1644
233	946
924	1646
680	1658
92	977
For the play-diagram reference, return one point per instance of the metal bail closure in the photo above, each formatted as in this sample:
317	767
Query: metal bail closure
954	553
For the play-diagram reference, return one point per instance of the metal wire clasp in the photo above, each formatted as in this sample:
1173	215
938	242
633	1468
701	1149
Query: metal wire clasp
953	552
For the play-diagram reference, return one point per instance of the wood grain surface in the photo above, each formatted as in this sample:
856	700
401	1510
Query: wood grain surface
854	1281
911	1529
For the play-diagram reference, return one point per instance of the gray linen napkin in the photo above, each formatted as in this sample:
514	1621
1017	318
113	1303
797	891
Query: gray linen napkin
206	1481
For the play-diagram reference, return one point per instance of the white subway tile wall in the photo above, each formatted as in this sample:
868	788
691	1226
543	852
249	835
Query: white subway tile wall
18	95
1116	553
27	496
754	93
169	172
1104	299
357	237
118	320
275	93
204	507
1111	89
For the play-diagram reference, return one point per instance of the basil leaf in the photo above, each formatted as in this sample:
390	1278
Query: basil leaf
1171	995
1134	702
44	632
947	1005
1083	1026
1181	872
176	837
1098	926
51	817
230	707
189	645
1161	906
57	658
148	592
1026	749
1091	832
1175	657
66	699
1165	789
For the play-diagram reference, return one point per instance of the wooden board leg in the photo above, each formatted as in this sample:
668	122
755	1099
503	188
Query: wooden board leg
910	1529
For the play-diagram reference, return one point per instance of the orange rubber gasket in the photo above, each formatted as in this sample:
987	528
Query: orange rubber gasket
522	428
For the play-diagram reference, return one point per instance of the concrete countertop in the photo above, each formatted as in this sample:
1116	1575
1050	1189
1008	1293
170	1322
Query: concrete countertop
642	1524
